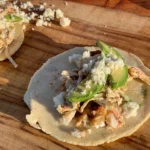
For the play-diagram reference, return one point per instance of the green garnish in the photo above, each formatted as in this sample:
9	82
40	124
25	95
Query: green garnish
107	49
12	18
78	94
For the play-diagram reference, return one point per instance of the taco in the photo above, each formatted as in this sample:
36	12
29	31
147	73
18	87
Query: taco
11	36
89	95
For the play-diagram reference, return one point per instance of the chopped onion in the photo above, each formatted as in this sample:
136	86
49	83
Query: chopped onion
10	58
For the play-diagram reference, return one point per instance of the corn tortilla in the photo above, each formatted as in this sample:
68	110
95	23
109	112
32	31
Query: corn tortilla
15	44
43	116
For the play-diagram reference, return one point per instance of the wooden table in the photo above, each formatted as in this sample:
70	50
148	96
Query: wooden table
141	7
90	22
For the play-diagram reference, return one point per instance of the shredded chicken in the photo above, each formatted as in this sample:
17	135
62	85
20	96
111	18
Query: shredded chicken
111	120
115	95
137	73
62	109
98	119
82	120
84	105
114	118
1	44
97	99
121	121
101	111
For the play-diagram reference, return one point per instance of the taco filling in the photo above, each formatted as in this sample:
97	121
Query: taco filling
89	95
94	93
11	35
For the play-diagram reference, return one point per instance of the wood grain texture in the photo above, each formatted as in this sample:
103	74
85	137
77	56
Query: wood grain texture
89	23
141	7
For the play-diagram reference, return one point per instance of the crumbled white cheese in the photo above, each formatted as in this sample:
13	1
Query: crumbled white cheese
3	2
85	67
99	72
64	76
115	64
29	4
24	6
98	76
49	13
64	21
105	66
42	7
130	109
41	17
45	23
39	22
100	65
59	13
86	54
59	99
88	86
33	15
83	92
80	134
74	58
102	124
65	73
15	2
88	82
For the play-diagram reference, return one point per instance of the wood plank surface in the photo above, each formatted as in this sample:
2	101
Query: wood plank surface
124	30
141	7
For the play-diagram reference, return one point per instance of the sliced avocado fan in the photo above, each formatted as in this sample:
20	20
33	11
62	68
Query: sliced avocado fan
83	93
118	77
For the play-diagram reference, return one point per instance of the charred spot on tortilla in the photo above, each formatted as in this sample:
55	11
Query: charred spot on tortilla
103	114
144	92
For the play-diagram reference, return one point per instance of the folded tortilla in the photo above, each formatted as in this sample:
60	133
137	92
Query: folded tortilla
44	86
15	44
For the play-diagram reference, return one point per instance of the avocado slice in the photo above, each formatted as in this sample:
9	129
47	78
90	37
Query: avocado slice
118	77
106	49
103	47
78	96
